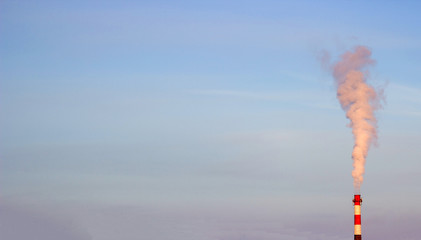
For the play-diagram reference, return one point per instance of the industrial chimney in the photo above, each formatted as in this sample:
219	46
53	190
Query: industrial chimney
357	216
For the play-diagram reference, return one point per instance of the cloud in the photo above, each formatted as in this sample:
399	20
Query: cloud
207	223
21	222
304	97
236	93
393	226
403	100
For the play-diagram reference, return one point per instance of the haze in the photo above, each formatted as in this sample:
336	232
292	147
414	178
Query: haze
210	120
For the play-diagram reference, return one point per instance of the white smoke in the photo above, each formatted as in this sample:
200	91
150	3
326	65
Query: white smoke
360	101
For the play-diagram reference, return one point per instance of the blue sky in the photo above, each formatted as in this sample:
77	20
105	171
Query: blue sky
202	120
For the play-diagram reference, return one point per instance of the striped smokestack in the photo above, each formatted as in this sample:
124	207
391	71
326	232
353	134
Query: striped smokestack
357	216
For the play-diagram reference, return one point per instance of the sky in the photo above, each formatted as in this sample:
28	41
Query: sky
207	120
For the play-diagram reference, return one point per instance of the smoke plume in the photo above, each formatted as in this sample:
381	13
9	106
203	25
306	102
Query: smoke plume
360	101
